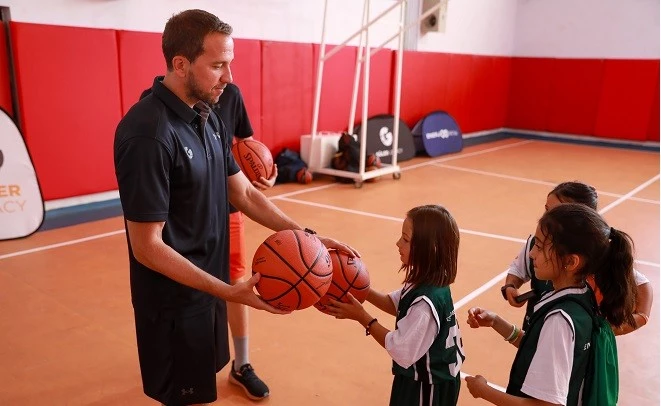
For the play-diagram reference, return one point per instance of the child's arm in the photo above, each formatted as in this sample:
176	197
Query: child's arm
382	301
355	311
478	387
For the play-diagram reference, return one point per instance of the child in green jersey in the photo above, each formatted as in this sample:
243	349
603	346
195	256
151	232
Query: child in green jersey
572	243
426	344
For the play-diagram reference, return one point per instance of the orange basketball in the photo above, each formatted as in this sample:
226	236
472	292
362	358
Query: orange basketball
295	267
254	159
349	275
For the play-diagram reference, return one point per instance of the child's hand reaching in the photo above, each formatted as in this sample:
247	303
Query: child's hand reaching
353	310
478	317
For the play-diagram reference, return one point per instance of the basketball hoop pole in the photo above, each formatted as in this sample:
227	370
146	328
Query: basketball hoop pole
362	57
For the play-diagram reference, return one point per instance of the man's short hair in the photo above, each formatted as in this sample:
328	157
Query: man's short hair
184	34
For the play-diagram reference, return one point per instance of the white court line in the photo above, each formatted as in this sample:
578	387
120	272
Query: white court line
280	196
391	218
628	195
60	244
468	154
538	182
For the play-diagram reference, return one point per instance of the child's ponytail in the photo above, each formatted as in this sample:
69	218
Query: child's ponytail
616	280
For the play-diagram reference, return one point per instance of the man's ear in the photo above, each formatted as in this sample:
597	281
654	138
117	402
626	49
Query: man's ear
180	65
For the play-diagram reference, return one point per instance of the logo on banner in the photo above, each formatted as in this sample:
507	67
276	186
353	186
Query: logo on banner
21	204
443	134
386	136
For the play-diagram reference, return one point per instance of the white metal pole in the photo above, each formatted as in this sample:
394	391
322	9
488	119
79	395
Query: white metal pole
320	74
366	88
398	83
356	79
337	48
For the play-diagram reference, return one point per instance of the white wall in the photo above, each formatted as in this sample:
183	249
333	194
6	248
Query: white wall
548	28
626	29
474	26
482	27
278	20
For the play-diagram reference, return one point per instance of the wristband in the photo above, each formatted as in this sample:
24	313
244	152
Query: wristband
367	328
515	333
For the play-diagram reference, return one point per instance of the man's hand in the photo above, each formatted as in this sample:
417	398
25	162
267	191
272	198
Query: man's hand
243	292
263	183
332	243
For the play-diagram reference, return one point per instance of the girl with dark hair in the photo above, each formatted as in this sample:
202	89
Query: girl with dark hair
521	270
572	242
426	344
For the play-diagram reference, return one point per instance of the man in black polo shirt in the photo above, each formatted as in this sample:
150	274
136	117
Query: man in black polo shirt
176	176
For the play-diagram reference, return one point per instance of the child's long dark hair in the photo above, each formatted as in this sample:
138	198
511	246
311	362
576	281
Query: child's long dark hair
573	228
434	247
577	192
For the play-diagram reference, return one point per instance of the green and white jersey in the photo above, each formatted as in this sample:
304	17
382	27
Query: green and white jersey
553	355
426	344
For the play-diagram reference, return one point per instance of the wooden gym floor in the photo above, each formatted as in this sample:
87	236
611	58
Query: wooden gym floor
66	322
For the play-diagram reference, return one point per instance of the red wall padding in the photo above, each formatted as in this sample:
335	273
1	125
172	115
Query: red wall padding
487	100
286	94
423	93
574	96
471	88
337	87
605	98
653	129
381	88
140	60
529	97
5	89
247	73
69	121
68	83
626	97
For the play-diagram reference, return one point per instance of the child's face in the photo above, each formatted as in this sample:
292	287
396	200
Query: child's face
404	242
541	255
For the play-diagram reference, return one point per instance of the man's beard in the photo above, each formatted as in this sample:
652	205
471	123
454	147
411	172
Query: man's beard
194	92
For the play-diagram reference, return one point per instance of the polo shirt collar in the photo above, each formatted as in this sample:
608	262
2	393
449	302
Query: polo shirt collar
173	101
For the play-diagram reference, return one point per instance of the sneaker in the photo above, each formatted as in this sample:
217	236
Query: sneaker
246	378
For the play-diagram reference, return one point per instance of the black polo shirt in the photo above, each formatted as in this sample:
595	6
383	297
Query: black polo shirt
167	172
232	111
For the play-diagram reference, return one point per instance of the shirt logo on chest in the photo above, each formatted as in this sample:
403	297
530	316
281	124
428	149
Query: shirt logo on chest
189	152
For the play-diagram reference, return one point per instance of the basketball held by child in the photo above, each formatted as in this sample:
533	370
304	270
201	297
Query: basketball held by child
349	276
254	159
295	269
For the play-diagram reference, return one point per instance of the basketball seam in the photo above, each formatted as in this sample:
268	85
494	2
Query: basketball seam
291	268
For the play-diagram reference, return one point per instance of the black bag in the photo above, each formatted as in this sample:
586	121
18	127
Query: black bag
291	168
347	157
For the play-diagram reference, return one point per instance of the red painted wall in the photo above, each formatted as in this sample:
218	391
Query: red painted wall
604	98
5	90
70	108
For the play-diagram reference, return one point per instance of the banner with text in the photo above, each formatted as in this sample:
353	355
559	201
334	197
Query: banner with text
21	203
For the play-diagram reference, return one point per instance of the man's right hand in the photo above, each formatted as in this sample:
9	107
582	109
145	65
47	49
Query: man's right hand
243	292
